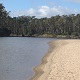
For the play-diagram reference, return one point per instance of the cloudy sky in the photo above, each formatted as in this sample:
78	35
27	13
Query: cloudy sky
41	8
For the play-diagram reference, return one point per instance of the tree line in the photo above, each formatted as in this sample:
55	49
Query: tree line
68	25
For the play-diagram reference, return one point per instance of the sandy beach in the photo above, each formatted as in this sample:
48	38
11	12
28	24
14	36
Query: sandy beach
62	62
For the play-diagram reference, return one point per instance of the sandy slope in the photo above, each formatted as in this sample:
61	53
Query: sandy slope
63	63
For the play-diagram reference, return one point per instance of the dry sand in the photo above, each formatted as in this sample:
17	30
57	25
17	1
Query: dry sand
62	62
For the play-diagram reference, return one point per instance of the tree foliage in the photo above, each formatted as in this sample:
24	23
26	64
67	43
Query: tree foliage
4	31
31	26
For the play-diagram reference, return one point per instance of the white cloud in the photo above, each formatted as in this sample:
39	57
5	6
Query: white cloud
45	11
31	11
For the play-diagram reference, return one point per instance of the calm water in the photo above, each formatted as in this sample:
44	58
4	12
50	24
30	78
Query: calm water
18	56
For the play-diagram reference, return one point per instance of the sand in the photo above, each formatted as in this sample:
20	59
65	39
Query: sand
62	62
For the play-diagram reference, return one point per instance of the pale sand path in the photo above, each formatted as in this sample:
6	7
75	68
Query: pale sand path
63	63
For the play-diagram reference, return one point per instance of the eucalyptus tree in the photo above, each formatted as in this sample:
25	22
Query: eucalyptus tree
77	23
3	16
4	21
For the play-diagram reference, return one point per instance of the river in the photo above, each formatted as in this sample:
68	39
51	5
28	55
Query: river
19	55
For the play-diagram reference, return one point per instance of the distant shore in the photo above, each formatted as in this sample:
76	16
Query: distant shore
46	36
62	62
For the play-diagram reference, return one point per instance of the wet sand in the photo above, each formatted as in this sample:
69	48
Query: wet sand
62	62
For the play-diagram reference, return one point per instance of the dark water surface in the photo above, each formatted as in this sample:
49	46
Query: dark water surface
19	55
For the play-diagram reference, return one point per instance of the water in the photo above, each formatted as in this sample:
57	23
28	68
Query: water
19	55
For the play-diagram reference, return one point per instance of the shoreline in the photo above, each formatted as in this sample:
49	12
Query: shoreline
59	63
37	70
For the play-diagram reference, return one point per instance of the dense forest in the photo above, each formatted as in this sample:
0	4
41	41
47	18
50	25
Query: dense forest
55	26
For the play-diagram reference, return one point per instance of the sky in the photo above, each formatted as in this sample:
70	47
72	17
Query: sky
41	8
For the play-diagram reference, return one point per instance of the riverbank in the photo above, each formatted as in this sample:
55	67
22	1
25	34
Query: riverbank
62	62
48	36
